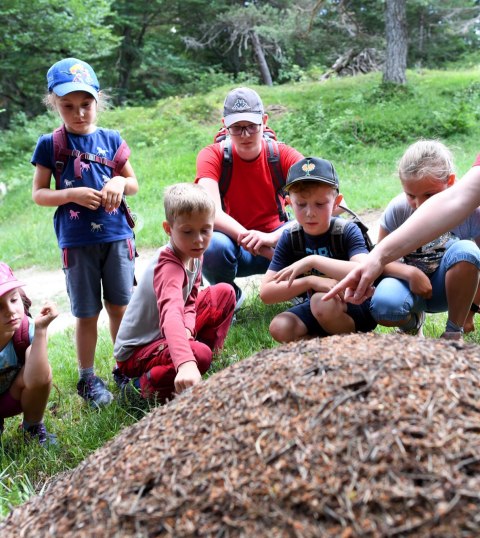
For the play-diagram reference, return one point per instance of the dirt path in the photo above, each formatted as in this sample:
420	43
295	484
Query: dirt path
42	285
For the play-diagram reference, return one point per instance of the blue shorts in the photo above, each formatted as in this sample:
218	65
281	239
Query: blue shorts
88	269
360	314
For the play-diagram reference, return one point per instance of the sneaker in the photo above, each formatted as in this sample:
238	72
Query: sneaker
2	422
94	392
298	300
418	329
119	378
39	432
453	335
239	297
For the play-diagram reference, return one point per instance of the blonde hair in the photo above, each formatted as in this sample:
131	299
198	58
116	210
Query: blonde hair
426	158
186	198
50	101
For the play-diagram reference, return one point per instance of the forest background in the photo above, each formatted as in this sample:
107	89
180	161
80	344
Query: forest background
167	67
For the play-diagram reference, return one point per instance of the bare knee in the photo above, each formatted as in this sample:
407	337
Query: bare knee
114	310
287	327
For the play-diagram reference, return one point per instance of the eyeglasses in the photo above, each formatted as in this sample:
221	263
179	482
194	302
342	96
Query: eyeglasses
237	130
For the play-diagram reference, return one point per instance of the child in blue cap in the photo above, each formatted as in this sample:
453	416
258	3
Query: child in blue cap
96	240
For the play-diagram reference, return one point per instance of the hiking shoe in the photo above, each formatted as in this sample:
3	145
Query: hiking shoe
418	329
39	432
453	335
119	378
131	394
94	392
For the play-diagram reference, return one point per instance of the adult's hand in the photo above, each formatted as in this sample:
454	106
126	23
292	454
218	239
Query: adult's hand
358	284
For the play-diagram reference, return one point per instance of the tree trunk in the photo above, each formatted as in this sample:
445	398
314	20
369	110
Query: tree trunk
262	62
396	36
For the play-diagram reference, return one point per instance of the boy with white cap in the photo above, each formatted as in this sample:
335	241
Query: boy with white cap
248	219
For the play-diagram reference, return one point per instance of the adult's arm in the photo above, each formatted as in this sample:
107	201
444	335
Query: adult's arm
434	217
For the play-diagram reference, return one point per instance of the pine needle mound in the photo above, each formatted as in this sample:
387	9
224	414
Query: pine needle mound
358	435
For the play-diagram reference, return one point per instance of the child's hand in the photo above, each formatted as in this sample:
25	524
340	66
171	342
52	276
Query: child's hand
86	197
420	284
187	376
254	241
47	314
291	272
323	284
112	193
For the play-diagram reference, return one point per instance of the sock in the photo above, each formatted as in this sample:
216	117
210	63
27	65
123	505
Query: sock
27	425
453	328
85	373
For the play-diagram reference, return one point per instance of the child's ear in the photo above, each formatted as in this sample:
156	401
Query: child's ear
288	200
338	200
450	180
167	228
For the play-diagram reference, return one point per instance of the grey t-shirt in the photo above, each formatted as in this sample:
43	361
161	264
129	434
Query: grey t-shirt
427	257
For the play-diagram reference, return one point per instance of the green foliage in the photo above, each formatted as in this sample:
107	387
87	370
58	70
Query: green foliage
36	34
359	124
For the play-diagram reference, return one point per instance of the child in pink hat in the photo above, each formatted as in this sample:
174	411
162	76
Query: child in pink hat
25	374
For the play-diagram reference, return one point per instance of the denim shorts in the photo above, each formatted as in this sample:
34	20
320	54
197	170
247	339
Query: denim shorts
360	314
89	269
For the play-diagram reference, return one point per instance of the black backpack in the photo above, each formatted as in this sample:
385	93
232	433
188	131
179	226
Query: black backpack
337	227
273	158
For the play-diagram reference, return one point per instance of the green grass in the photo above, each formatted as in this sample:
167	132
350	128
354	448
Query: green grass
362	127
355	122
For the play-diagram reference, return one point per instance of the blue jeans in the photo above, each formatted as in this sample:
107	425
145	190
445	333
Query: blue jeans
224	260
393	300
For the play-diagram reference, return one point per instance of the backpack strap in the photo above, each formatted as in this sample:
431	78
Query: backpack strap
337	227
297	240
273	158
363	227
227	167
61	153
276	174
21	340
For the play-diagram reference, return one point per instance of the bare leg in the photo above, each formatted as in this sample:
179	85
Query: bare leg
469	325
332	315
115	315
86	339
461	283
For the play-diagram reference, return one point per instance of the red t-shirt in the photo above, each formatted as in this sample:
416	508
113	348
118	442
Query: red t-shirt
250	198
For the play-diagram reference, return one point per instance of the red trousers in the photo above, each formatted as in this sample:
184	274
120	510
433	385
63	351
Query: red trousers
153	364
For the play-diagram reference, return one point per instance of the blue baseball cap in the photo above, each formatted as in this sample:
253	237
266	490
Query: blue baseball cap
72	75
